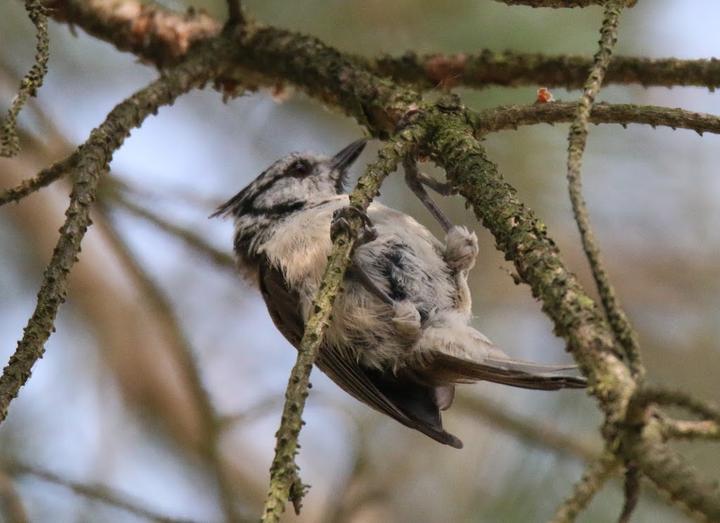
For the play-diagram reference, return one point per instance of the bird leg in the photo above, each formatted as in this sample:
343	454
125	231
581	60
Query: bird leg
461	245
461	250
417	182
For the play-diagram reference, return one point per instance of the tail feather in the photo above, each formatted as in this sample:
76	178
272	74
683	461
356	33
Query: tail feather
450	351
505	371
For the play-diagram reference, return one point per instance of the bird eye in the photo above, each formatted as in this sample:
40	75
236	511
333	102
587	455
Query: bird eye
301	167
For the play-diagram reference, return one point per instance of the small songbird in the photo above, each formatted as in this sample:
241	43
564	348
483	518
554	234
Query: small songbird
399	338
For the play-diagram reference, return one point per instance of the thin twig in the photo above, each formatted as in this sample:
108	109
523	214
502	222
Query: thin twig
486	68
95	492
510	117
285	484
93	160
631	490
555	4
595	476
684	429
533	433
42	179
676	398
188	237
577	140
31	82
671	474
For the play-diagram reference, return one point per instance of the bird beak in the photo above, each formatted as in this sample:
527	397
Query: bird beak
345	158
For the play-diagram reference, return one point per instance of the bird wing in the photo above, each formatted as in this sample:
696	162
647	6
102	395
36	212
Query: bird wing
413	404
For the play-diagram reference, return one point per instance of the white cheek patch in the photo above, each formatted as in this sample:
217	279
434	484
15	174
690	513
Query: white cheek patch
301	246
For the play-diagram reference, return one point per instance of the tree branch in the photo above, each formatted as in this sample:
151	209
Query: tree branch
488	68
676	398
31	82
510	117
93	158
561	3
577	141
682	429
94	492
671	474
160	36
43	179
595	476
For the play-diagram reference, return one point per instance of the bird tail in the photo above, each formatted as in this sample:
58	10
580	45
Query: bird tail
507	371
460	354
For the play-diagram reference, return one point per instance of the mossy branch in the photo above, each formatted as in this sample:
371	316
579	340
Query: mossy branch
561	3
31	82
42	179
285	483
577	140
510	117
595	476
93	158
488	68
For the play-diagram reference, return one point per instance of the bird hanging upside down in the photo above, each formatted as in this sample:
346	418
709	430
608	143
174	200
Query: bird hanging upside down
399	338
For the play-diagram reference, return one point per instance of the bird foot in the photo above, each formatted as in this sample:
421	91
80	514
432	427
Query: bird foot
341	224
461	248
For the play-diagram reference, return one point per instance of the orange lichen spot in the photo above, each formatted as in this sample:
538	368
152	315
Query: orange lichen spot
544	96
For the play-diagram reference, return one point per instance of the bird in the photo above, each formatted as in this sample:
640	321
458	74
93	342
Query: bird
400	338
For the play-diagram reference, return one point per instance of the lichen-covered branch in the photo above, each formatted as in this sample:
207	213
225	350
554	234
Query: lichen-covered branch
285	483
524	240
160	36
489	68
561	3
689	430
577	139
510	117
595	476
153	33
93	158
31	82
42	179
671	474
675	398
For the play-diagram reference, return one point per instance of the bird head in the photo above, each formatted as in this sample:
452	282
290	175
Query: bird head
292	182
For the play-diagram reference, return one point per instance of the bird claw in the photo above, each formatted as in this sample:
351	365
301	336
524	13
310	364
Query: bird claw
341	224
461	248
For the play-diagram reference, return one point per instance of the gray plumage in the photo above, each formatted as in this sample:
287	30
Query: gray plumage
399	339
